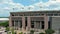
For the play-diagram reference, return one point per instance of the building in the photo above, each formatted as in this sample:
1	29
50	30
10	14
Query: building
34	20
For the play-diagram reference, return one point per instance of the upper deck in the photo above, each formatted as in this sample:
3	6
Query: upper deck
36	13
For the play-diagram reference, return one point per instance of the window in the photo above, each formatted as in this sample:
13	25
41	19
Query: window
42	14
42	26
37	14
25	21
16	14
49	24
32	24
49	14
12	23
16	23
20	14
42	23
26	14
12	14
55	14
20	24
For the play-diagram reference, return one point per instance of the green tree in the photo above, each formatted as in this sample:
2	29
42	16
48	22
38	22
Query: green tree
5	24
49	31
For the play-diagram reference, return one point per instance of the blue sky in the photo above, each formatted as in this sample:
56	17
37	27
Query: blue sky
26	2
7	6
29	2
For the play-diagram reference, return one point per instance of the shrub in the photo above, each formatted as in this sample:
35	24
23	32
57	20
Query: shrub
49	31
21	33
32	32
12	30
41	33
7	28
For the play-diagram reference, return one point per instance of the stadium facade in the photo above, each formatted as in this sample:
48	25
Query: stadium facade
34	20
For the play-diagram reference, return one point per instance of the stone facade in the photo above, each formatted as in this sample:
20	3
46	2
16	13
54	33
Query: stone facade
34	20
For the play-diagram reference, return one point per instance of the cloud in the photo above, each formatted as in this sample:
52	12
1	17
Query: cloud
50	5
40	5
7	6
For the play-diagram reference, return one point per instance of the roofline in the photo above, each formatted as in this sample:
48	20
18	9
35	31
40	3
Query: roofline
36	11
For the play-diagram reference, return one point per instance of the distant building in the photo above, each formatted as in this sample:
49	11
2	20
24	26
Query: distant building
34	20
3	19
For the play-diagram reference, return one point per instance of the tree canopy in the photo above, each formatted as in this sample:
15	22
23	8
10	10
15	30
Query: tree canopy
5	24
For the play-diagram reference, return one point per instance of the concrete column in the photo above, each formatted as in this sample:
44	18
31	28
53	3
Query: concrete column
10	22
46	22
40	25
18	24
14	25
35	25
23	23
28	23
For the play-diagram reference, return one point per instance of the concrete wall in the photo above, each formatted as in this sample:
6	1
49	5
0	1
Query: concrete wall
55	23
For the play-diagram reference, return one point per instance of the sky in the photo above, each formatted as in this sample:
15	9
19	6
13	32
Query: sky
7	6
